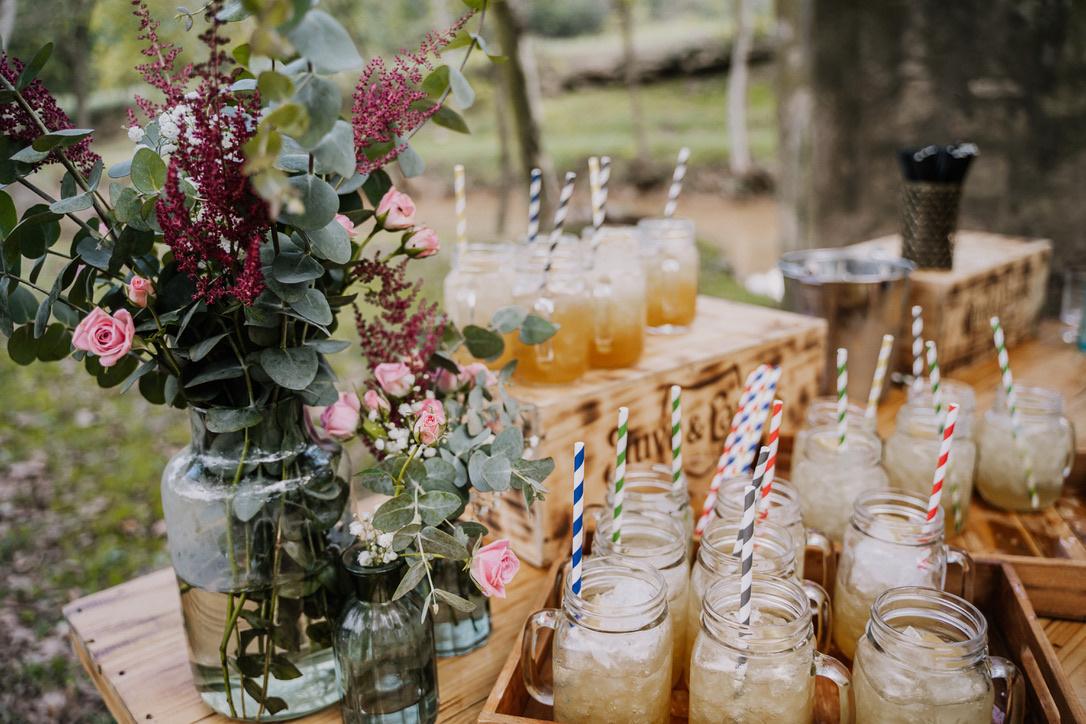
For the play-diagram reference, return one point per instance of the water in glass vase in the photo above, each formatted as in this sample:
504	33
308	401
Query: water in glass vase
457	632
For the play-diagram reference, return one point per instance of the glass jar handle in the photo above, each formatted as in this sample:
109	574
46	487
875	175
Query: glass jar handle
817	539
830	668
1071	447
529	664
960	557
603	307
544	351
1013	703
821	613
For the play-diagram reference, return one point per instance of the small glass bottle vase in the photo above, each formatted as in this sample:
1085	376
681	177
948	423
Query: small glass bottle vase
385	661
458	632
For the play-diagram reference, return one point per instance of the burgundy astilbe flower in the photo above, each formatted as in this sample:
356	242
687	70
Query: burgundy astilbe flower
159	71
17	124
402	328
388	102
217	242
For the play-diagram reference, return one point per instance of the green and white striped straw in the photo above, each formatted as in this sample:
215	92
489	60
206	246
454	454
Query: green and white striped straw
676	435
1012	407
842	397
620	474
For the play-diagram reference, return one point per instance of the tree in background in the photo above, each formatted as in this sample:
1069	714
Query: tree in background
737	92
630	76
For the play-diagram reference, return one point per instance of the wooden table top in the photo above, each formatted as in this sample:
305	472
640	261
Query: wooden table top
131	642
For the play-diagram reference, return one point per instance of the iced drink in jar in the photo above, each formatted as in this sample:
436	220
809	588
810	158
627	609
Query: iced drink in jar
669	253
763	670
611	649
823	411
617	294
924	658
645	538
652	487
477	286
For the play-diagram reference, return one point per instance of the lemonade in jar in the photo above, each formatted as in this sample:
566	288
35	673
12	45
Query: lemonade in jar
669	253
478	285
617	292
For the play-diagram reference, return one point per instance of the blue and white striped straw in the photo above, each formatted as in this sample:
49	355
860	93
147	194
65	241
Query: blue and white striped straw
535	190
755	425
578	516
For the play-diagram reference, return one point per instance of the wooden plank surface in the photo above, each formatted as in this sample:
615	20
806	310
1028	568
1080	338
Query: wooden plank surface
130	640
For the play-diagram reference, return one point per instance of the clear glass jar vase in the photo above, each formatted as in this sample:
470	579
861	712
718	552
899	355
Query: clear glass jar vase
617	290
924	658
669	253
458	632
479	284
384	650
247	517
1044	448
764	670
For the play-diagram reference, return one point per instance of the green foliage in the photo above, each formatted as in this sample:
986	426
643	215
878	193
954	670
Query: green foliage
567	18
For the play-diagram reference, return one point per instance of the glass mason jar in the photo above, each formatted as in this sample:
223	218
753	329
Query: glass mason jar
654	540
829	477
822	412
247	513
784	510
774	554
669	253
561	297
385	650
611	649
1047	444
912	451
617	290
889	543
651	487
480	284
959	393
458	632
924	658
763	671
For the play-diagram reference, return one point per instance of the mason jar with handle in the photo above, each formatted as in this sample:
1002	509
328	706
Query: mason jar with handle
1044	450
610	650
924	658
617	292
822	412
763	671
669	253
652	487
889	543
478	285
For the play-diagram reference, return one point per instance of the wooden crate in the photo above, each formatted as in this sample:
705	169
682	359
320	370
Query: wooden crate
992	275
727	341
1011	591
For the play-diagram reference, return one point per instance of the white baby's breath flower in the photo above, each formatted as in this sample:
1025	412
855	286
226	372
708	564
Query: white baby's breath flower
389	556
355	528
404	409
379	444
429	452
384	540
365	558
533	441
169	147
135	134
372	415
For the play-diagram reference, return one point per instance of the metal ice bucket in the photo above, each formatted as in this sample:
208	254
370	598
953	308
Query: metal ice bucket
861	296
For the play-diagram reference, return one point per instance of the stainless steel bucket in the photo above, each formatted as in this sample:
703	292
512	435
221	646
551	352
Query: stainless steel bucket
861	296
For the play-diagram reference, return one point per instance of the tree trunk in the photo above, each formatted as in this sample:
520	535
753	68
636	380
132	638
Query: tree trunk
737	92
8	10
519	74
79	52
633	88
505	162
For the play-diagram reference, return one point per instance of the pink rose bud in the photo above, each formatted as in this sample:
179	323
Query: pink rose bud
138	290
340	419
373	401
428	427
396	210
109	338
346	223
430	406
395	378
470	373
493	567
446	381
422	243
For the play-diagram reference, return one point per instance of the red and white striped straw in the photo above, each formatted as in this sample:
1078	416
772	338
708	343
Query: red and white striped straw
771	462
944	459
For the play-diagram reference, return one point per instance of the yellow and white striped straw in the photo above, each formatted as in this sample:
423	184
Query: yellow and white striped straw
880	376
461	205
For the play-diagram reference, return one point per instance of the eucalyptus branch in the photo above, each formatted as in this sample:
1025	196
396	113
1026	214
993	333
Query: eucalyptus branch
165	344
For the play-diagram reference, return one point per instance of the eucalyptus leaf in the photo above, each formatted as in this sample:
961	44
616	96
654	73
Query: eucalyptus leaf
395	513
536	330
293	368
70	205
411	578
508	319
313	307
437	505
328	346
229	419
436	82
291	268
215	371
462	92
483	343
438	542
335	152
200	350
496	471
411	163
321	100
148	171
331	243
321	39
455	602
319	201
448	118
440	470
509	444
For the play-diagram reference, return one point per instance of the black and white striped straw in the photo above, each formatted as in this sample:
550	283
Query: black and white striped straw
676	182
535	189
560	218
746	534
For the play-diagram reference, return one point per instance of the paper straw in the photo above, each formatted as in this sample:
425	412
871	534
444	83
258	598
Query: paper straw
941	464
595	193
535	189
935	378
746	540
605	178
753	437
560	218
461	205
676	435
918	345
1012	407
772	442
676	182
842	397
880	376
620	474
578	516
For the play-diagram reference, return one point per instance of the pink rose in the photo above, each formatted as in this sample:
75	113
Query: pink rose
470	373
446	381
110	338
340	418
430	424
373	401
433	407
493	566
422	243
395	378
397	210
346	223
138	290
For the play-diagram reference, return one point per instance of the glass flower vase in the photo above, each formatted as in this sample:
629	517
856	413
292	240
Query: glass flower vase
385	650
247	516
458	632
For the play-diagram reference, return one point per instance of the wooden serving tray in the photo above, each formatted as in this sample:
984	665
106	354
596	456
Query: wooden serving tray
1011	591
